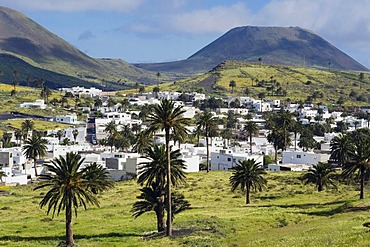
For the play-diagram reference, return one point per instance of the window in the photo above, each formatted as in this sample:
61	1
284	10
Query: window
228	159
298	156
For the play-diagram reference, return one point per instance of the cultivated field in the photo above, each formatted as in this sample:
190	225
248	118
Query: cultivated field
287	214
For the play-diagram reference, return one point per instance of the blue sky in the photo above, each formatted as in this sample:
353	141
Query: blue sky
166	30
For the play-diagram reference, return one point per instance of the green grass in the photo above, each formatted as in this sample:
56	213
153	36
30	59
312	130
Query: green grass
287	214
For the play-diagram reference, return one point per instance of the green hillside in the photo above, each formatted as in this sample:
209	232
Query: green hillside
54	59
288	213
298	83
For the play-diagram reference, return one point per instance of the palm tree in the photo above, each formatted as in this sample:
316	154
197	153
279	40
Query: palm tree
60	134
72	186
15	79
247	175
276	138
18	135
150	201
359	157
232	84
75	134
321	175
66	142
27	126
156	90
45	93
142	142
153	174
251	128
341	148
35	147
158	79
98	103
207	122
2	175
111	129
168	118
7	136
261	96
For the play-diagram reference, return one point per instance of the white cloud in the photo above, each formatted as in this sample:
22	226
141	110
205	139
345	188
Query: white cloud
344	23
74	5
216	19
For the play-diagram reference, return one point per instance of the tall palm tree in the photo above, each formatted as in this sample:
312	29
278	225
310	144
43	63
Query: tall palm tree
18	136
359	158
167	117
154	173
276	138
72	186
226	134
15	79
60	134
207	122
248	175
111	130
158	79
321	175
27	126
35	147
251	128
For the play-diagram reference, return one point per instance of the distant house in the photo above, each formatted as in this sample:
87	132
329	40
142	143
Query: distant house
226	159
304	158
81	91
68	119
39	103
287	167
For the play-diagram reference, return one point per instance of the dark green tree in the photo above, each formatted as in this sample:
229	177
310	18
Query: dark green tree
248	175
251	128
321	175
153	175
72	186
167	117
35	147
207	123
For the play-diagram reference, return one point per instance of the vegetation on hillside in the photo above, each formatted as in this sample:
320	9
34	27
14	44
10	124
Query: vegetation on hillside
348	88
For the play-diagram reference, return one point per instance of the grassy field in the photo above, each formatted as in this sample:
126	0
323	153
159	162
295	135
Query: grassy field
287	214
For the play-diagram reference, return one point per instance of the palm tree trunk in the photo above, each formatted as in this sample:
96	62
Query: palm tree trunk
34	166
276	159
295	141
319	187
250	142
169	199
160	215
207	152
247	194
69	231
362	185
